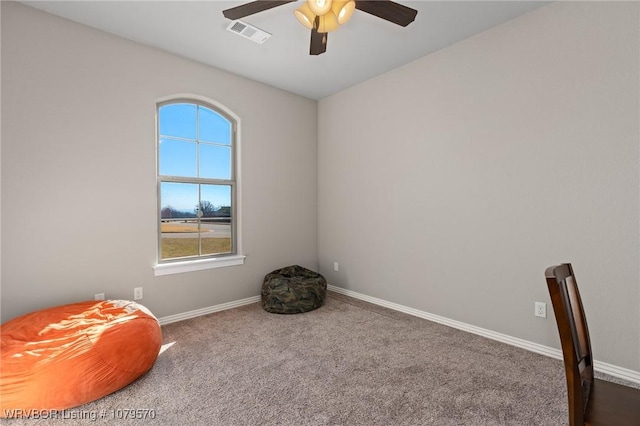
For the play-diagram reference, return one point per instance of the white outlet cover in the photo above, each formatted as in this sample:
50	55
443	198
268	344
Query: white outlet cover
540	309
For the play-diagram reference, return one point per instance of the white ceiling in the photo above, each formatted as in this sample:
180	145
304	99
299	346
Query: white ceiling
361	49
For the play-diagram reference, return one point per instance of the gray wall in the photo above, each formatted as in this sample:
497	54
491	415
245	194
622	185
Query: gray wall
450	184
0	166
78	170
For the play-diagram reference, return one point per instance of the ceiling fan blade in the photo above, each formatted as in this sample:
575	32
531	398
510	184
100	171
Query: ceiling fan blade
318	39
318	42
388	10
251	8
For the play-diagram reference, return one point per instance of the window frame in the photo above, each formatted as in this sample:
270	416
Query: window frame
207	261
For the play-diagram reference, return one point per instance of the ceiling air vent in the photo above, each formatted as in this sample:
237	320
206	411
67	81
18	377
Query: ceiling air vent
248	31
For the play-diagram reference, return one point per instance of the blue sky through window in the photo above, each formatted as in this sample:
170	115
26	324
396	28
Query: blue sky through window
190	133
184	196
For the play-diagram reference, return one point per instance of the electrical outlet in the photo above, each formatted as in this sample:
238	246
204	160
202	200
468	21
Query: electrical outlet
335	266
541	309
137	293
98	296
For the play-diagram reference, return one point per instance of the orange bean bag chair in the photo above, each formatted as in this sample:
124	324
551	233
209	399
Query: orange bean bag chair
69	355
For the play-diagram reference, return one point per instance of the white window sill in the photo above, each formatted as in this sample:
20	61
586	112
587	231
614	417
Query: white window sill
197	265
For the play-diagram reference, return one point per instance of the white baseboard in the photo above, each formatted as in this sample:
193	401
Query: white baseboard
603	367
208	310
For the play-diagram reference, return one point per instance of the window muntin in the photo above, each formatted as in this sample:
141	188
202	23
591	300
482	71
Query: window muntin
196	181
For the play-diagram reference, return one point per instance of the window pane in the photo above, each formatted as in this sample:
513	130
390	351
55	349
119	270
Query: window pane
179	223
178	158
213	127
216	219
195	144
215	161
178	120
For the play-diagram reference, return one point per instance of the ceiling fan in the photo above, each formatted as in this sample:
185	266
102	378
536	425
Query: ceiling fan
324	16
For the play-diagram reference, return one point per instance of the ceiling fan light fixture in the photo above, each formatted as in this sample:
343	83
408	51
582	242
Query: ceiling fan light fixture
343	10
328	22
323	16
319	7
305	16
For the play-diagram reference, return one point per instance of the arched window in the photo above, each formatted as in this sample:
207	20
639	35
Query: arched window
197	182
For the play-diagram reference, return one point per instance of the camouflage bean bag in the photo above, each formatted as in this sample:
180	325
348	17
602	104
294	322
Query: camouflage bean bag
293	290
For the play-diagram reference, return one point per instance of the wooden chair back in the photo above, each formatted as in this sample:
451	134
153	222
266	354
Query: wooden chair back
574	338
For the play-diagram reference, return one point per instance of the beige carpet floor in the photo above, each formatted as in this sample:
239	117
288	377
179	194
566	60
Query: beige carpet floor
347	363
